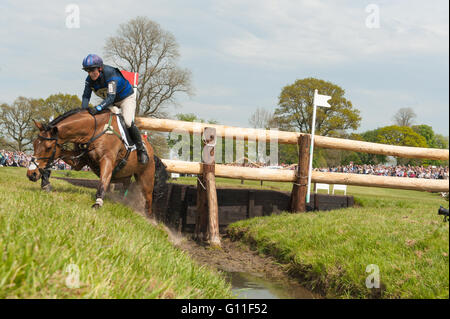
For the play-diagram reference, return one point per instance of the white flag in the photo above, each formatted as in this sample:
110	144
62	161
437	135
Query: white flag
321	100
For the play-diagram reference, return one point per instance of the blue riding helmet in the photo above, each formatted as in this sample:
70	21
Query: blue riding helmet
92	61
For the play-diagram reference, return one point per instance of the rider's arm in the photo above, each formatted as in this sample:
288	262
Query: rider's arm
86	96
111	96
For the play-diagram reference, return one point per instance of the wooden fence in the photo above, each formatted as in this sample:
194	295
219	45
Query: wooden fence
207	217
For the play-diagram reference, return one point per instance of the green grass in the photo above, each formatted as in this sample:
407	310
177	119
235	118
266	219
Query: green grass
397	230
118	252
74	174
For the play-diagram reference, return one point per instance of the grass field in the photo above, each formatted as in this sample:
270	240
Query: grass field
46	237
120	255
399	231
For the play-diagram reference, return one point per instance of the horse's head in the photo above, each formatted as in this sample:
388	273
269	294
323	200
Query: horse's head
46	150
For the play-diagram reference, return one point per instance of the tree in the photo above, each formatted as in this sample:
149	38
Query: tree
142	46
3	143
441	141
16	122
405	116
57	104
397	135
262	119
296	108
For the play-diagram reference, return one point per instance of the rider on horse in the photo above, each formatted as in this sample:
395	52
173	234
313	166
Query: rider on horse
108	83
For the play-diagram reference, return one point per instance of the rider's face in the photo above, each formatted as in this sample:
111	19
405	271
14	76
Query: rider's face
94	74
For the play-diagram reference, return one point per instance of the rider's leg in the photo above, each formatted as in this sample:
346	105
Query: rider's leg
137	139
45	180
128	107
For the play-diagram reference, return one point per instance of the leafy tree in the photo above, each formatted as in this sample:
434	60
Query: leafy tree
57	104
16	122
427	132
296	108
142	46
397	135
441	141
400	135
405	116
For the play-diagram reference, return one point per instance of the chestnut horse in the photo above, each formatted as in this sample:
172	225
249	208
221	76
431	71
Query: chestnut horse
98	145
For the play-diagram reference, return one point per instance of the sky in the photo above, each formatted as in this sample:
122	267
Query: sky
385	54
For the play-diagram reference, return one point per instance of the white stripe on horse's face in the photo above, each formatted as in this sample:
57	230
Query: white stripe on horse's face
32	167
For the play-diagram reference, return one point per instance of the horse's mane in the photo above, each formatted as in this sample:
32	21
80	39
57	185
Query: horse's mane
63	117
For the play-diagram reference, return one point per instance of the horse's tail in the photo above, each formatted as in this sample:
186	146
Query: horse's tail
161	176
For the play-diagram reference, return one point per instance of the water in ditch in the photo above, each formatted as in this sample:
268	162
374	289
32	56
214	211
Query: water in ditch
252	286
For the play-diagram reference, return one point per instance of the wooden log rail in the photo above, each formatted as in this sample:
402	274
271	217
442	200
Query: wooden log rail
164	125
279	175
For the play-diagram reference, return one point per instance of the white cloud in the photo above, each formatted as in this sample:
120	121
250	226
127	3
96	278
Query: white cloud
283	32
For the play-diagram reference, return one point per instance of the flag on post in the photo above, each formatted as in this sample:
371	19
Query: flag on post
132	77
321	100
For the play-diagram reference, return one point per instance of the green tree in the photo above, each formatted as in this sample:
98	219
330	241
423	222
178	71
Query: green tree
295	108
441	141
427	132
400	135
16	122
57	104
397	135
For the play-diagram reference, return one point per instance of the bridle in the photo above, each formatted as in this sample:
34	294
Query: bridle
50	159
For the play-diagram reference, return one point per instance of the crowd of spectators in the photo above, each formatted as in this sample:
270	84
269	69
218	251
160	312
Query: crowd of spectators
429	172
21	159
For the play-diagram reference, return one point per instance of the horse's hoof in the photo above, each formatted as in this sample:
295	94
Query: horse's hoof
98	203
47	188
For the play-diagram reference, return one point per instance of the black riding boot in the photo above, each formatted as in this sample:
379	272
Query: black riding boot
45	183
137	139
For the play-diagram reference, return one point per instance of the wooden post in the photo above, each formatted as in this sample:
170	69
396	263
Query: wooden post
298	196
208	167
202	209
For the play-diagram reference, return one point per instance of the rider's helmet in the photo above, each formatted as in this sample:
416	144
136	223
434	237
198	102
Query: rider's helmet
92	61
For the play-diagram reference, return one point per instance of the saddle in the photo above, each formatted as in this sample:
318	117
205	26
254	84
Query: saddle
123	135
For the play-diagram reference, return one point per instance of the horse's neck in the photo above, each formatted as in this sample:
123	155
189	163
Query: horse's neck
80	129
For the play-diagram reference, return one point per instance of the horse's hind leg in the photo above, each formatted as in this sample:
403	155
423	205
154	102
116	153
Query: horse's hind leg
146	181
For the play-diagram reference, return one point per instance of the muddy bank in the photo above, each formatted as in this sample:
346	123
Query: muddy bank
236	259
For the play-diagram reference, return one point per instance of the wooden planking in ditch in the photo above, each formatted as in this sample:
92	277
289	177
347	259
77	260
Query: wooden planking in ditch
178	208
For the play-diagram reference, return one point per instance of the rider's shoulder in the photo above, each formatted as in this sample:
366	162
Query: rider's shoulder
109	71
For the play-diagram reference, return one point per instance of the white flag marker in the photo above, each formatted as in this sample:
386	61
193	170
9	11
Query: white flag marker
319	100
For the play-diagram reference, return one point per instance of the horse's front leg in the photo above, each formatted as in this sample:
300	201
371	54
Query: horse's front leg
106	169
